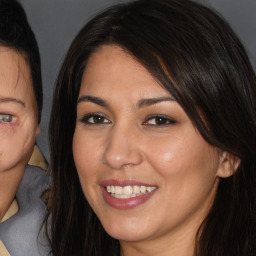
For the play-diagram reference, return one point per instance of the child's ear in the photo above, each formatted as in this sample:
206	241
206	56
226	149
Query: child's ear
38	129
228	165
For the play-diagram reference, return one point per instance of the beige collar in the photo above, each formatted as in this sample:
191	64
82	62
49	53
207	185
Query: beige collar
3	250
13	209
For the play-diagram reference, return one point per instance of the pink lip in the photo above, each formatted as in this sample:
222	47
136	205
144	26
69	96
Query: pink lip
128	203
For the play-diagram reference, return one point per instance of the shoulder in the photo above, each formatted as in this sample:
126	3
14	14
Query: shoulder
20	233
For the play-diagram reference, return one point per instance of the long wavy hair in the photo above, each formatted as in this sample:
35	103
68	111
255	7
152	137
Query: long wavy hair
193	53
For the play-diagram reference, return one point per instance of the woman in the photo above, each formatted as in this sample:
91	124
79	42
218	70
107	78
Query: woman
153	135
21	186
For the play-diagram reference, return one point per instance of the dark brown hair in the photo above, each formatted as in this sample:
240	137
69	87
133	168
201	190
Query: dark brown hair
195	55
16	33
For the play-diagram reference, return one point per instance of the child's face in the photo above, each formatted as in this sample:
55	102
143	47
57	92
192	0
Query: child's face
18	113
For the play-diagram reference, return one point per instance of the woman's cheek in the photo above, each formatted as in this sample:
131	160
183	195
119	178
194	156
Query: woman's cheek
165	157
83	152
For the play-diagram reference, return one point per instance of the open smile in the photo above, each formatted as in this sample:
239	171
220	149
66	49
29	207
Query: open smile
128	191
126	194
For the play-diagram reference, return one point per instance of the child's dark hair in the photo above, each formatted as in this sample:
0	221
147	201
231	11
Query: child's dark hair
16	33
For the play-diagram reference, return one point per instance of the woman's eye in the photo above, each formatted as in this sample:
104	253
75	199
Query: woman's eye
95	119
159	120
4	118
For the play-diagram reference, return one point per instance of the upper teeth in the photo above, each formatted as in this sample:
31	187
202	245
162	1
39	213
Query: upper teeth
129	190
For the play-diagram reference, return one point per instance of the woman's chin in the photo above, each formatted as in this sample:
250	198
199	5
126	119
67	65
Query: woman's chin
130	232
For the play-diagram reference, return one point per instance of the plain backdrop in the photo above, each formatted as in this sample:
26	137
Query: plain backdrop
56	22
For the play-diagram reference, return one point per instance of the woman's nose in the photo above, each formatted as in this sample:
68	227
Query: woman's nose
122	149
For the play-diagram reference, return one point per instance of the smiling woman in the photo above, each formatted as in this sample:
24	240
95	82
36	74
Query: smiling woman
157	157
136	151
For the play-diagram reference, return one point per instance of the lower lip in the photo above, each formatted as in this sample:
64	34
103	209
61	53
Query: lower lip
126	203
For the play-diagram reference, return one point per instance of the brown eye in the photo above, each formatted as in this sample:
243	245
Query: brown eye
159	121
95	119
98	119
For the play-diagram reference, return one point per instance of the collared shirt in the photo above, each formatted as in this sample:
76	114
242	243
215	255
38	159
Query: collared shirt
36	159
13	209
20	233
3	250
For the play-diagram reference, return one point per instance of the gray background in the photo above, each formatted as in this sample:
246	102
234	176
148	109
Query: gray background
56	22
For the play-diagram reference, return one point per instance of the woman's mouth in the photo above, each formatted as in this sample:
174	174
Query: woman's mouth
128	191
122	195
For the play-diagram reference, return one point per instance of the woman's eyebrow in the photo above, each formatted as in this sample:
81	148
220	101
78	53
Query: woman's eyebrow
93	99
140	104
3	100
152	101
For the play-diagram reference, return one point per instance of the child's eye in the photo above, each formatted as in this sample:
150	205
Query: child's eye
5	118
159	120
93	119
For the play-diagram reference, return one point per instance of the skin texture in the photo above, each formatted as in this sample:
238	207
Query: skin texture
18	123
130	143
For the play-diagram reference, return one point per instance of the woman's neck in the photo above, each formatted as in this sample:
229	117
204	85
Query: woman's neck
177	250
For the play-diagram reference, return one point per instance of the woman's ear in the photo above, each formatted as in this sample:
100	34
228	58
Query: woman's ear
228	165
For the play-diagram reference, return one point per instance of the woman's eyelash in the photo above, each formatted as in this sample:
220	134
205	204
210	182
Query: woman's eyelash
159	120
154	120
94	119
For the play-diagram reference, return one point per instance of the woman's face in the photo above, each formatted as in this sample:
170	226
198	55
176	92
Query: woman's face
18	118
143	167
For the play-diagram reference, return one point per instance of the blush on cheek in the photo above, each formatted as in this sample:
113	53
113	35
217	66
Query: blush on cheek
175	150
168	160
167	157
